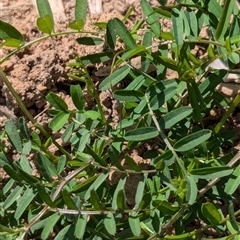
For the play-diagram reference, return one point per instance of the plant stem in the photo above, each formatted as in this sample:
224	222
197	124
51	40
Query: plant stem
165	139
233	105
45	37
93	93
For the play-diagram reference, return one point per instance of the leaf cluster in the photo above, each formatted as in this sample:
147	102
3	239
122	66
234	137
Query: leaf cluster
186	179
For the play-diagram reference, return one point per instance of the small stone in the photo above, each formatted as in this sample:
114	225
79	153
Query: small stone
41	88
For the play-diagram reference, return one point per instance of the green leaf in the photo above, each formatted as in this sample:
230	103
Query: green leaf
215	8
78	25
134	223
84	185
185	23
232	217
225	18
57	102
136	83
61	164
8	186
192	140
95	201
81	10
4	160
89	41
210	83
128	95
77	97
165	207
130	54
231	230
12	173
147	42
66	233
151	17
114	78
23	202
13	135
176	115
97	158
194	101
58	121
211	213
140	191
46	167
212	172
110	224
4	229
145	201
159	99
52	220
27	177
121	202
36	138
81	226
44	195
192	190
111	34
233	57
192	20
94	115
15	194
24	163
114	158
11	42
7	31
131	164
141	134
68	200
120	186
177	26
124	34
27	147
97	183
233	182
23	128
44	8
45	24
96	58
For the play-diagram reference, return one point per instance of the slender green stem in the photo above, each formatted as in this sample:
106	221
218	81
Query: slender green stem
45	37
165	139
93	93
233	105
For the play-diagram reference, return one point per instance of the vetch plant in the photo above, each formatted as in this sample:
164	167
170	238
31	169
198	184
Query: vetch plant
187	177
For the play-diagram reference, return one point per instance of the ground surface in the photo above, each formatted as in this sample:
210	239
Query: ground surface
42	67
